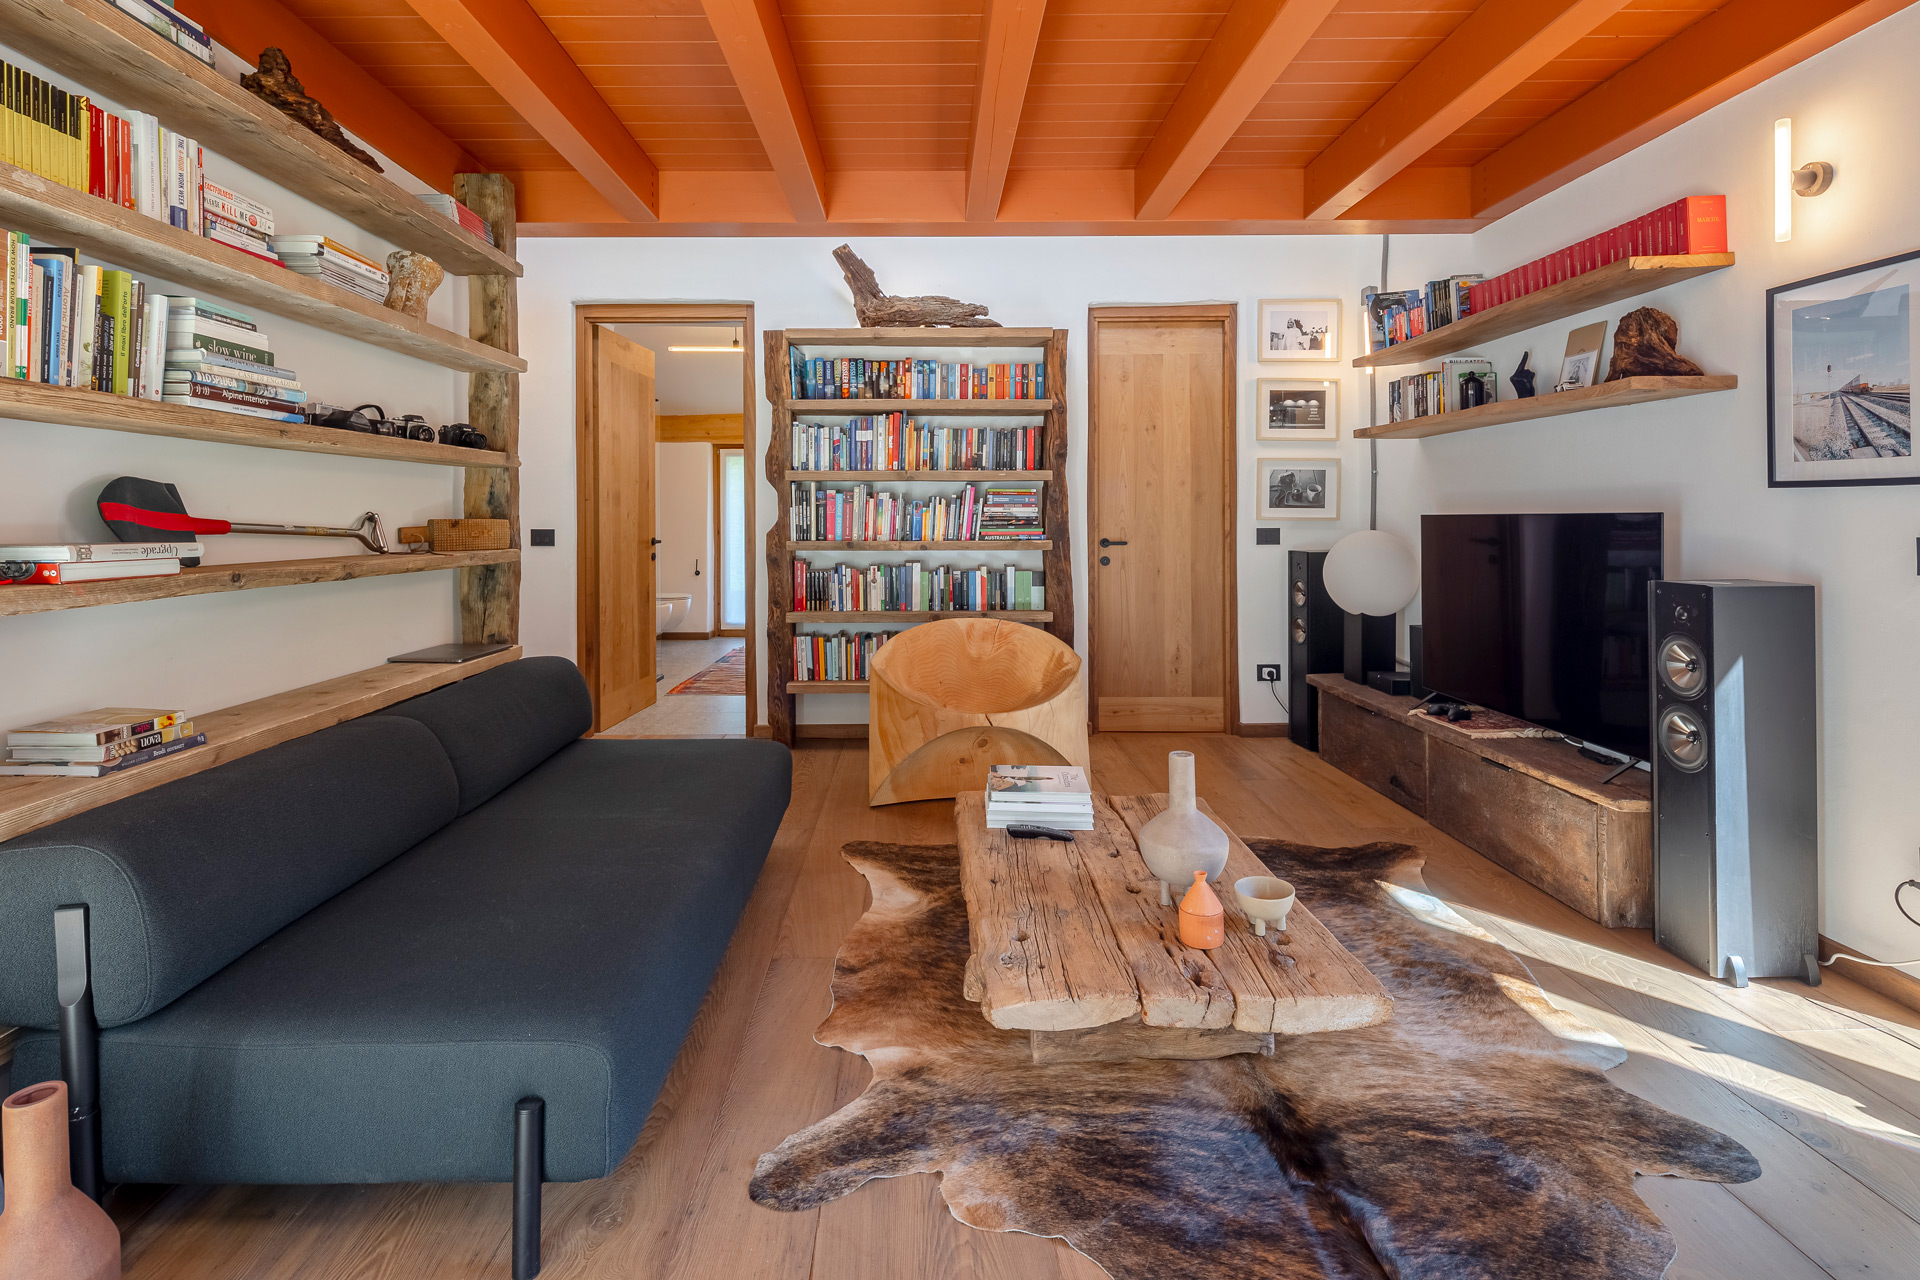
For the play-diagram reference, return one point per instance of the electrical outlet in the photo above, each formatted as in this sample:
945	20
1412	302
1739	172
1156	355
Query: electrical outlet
1266	671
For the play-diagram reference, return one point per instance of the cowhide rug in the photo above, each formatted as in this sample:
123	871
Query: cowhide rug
1471	1136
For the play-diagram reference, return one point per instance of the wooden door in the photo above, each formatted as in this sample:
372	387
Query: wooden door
616	531
1160	518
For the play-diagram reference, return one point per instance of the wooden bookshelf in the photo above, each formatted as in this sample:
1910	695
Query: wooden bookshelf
78	407
1049	346
136	242
1626	278
208	579
1603	395
113	55
27	803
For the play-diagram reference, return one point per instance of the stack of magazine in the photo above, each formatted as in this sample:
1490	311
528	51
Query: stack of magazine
1046	795
98	742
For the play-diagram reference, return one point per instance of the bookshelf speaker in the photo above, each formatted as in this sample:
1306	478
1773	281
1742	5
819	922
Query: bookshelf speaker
1735	778
1315	633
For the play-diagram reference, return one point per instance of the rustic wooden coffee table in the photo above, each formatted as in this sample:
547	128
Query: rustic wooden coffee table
1070	944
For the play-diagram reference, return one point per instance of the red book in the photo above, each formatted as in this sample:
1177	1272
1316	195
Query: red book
96	153
1703	224
103	570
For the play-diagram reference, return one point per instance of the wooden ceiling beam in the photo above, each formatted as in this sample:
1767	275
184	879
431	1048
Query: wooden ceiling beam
1006	64
753	39
1499	46
513	50
373	112
1254	43
1725	53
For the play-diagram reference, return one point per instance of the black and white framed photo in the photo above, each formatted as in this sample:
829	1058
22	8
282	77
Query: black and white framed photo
1299	488
1840	355
1298	409
1299	328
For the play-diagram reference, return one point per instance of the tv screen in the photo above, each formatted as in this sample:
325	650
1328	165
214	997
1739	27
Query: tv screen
1544	617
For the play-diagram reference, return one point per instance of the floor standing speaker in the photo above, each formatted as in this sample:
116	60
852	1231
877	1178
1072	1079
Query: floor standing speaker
1315	637
1735	778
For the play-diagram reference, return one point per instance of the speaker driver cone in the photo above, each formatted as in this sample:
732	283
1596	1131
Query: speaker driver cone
1299	594
1299	631
1683	668
1683	739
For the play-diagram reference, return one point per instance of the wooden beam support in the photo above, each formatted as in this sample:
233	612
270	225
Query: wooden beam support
514	51
359	102
1253	45
753	39
490	595
1501	45
1725	53
1006	64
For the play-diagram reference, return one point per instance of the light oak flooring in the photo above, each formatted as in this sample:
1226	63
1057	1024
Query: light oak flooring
1822	1085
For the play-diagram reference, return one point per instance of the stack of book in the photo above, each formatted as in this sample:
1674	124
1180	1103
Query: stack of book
913	587
896	443
1011	513
98	742
217	358
329	260
53	563
1421	395
237	222
1693	224
861	515
1393	318
448	207
162	19
71	325
845	656
1046	795
854	378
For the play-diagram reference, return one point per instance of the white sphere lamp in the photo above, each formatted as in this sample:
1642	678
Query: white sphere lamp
1372	572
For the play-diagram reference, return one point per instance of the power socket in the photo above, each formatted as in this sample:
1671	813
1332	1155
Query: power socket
1268	672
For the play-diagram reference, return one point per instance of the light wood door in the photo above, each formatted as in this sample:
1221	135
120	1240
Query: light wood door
1161	518
616	531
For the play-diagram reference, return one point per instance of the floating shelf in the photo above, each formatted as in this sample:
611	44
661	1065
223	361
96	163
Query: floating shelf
919	475
77	407
209	578
26	803
1036	544
988	337
826	686
139	243
113	55
924	408
920	615
1602	396
1625	278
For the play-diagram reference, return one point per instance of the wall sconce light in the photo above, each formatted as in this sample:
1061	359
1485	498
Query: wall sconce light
1808	180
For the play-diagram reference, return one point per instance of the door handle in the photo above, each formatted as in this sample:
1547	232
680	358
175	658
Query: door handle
654	542
1109	542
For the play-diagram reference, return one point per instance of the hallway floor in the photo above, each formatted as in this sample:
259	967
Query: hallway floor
688	715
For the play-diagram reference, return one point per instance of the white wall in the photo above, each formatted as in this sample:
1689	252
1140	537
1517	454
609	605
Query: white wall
207	652
1703	460
683	521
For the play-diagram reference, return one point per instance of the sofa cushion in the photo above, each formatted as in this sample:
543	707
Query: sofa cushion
182	879
556	942
499	724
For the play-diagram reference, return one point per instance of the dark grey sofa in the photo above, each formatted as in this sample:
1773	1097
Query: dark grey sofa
344	959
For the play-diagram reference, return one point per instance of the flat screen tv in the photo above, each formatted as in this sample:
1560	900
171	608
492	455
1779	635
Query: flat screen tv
1544	617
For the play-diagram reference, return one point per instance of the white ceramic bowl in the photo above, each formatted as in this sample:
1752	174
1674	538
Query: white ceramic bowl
1264	898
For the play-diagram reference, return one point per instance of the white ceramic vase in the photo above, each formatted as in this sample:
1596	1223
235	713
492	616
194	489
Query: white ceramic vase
1182	840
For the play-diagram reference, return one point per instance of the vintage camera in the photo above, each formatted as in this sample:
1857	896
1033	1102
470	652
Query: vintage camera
414	427
378	422
333	415
459	433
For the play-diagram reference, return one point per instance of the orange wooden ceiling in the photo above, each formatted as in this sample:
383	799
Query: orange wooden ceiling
873	119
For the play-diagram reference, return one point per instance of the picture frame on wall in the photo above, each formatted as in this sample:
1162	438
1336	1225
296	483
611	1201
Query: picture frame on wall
1299	329
1297	409
1299	488
1840	356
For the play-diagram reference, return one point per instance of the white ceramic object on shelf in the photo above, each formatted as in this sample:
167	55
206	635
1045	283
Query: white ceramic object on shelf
1264	899
1182	840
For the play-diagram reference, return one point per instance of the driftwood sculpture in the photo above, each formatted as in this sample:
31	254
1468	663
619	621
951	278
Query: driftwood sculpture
877	310
1643	344
1474	1134
276	84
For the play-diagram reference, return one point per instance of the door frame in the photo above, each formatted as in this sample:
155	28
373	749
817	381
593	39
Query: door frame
587	315
1228	315
718	568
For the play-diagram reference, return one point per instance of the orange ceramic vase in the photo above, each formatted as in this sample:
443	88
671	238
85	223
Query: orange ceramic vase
49	1230
1203	924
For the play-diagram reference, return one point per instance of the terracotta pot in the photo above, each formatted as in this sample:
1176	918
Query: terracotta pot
1203	921
1181	840
49	1230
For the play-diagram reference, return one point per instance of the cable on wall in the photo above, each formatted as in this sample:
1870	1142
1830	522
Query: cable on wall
1884	964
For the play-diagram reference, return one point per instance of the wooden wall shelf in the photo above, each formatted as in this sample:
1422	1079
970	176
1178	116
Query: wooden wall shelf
916	615
27	803
209	578
1603	395
826	686
825	477
1040	544
1626	278
136	242
926	408
77	407
114	56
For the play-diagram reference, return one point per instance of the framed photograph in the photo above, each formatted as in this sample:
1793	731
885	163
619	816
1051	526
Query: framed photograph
1298	409
1299	488
1582	362
1840	357
1299	328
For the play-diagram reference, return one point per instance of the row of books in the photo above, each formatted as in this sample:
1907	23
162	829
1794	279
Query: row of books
72	325
98	742
1395	317
447	207
160	17
1693	224
217	358
912	587
855	378
845	656
55	563
1009	513
327	259
1421	395
1046	795
897	443
237	221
